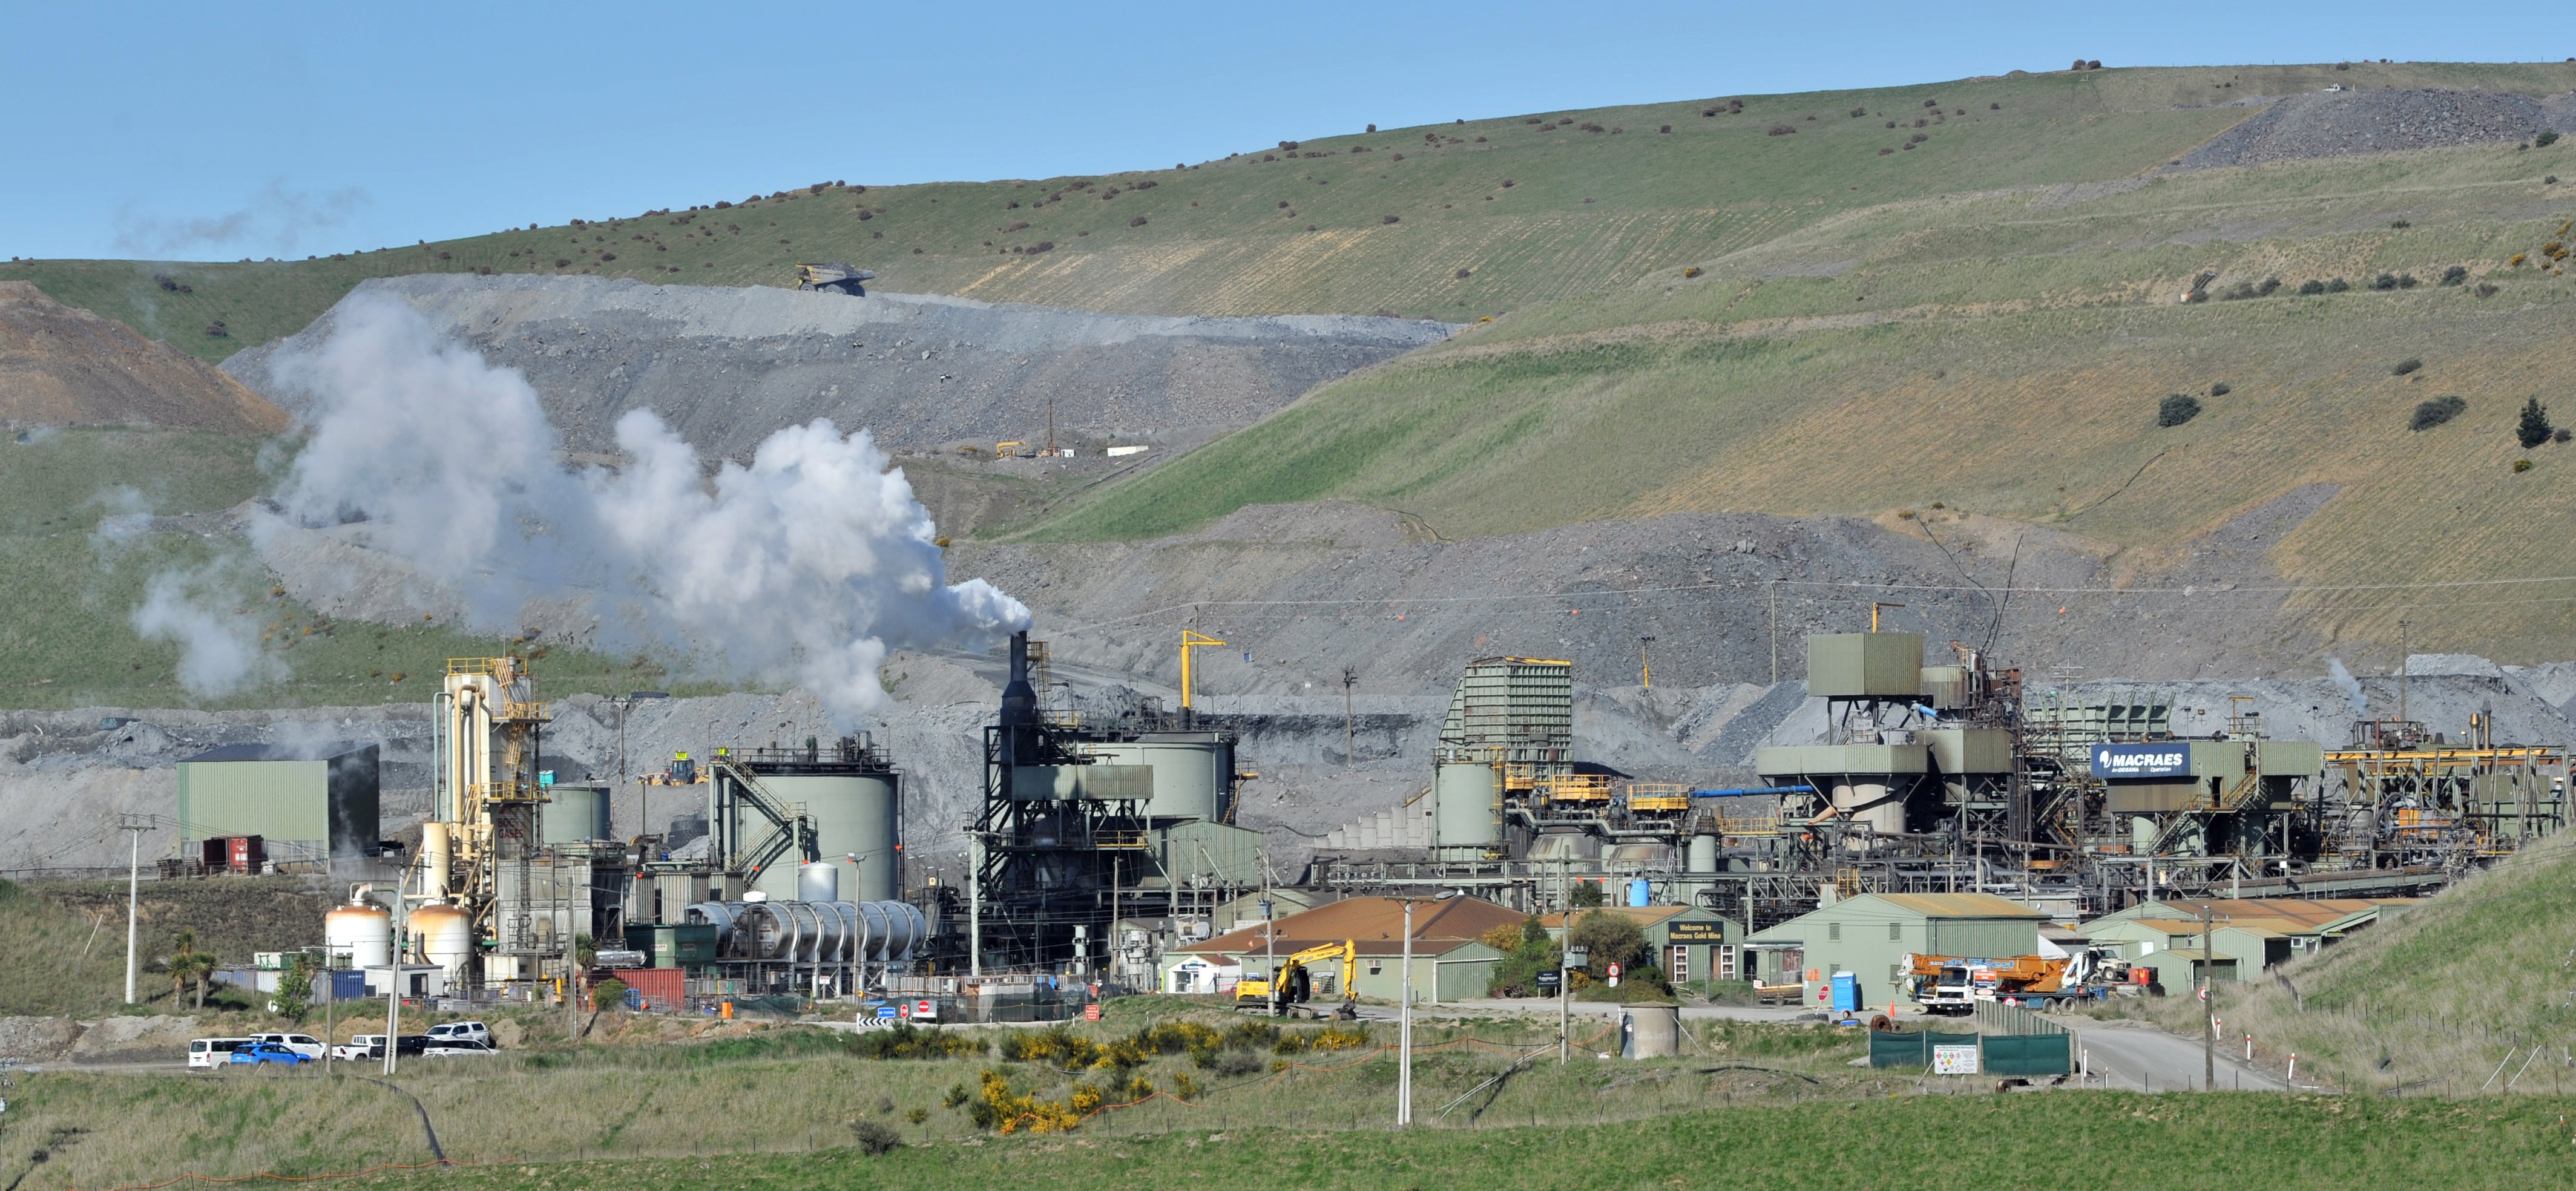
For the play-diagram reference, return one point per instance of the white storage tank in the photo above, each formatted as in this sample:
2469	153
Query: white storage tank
361	930
446	938
1467	809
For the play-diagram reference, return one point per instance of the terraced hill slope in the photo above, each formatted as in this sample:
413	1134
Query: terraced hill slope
1534	207
2008	353
60	366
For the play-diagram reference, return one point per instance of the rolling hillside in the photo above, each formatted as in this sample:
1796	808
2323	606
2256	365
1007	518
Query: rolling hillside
1535	207
2007	353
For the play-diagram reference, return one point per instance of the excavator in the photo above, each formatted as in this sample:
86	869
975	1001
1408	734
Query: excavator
834	276
1951	986
1286	990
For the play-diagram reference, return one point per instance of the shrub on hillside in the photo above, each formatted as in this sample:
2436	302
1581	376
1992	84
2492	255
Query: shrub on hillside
2176	409
2384	281
1463	274
2546	139
2220	389
1692	271
2270	286
2437	411
2521	465
1884	150
2455	275
1389	219
2338	285
1857	113
1780	130
2407	365
2485	289
2533	428
1138	221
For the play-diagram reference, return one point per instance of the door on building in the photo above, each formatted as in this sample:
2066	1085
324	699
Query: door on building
1679	969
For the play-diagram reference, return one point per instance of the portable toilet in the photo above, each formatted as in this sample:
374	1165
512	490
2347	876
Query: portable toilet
1846	992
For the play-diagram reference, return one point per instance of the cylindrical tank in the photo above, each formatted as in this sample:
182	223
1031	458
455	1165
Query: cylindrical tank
1703	854
575	815
433	856
854	815
1191	771
362	931
1868	802
818	881
1466	806
1637	892
446	937
1654	1031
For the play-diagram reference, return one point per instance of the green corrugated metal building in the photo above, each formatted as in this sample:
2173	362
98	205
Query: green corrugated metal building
308	803
1870	934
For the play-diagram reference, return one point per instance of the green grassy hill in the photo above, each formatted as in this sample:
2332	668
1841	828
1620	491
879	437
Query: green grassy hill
2432	1000
1269	231
2006	353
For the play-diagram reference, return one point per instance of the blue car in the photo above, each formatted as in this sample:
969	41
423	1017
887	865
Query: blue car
268	1052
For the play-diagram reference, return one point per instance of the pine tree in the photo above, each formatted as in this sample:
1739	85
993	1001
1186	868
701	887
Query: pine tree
2534	428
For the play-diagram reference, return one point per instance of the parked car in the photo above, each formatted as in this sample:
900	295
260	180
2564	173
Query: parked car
474	1031
266	1052
441	1047
304	1044
372	1046
210	1053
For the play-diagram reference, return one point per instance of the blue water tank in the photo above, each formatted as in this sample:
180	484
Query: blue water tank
1846	992
1637	892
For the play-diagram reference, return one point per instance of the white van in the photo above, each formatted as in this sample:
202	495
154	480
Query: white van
211	1054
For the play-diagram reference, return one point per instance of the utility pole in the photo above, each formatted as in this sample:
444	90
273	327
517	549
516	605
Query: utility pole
2402	668
975	904
1567	956
1269	936
394	978
1645	665
134	826
2208	1008
1775	632
1350	676
1404	1032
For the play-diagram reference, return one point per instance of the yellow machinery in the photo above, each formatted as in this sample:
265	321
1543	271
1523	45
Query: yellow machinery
1289	986
835	277
1191	639
1657	799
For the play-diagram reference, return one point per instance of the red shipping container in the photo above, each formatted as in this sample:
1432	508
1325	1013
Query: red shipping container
662	988
247	855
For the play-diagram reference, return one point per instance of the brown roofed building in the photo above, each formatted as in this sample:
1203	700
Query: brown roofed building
1448	961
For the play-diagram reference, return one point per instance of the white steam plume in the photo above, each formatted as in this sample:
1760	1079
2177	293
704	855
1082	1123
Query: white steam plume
195	608
804	567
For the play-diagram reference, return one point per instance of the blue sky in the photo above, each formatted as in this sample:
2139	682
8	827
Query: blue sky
218	131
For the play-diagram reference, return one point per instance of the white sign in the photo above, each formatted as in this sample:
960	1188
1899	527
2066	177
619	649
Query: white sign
1954	1060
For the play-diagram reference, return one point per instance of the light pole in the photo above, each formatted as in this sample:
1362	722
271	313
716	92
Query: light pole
134	826
1569	957
1404	1031
1350	677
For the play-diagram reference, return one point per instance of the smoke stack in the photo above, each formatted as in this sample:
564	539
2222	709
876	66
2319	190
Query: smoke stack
1019	699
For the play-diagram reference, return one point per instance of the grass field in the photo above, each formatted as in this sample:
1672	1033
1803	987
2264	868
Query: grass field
1585	212
79	927
71	641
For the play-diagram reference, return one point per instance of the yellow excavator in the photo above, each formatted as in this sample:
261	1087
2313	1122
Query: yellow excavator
1285	992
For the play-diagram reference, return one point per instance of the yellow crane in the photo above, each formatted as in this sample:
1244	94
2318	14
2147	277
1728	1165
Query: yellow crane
1289	984
1191	639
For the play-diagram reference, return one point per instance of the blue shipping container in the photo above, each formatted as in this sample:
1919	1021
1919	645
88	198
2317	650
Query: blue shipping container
348	986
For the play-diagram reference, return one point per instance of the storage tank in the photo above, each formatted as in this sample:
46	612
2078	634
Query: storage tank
445	936
1192	771
361	930
1703	854
1467	809
854	814
575	815
1653	1032
818	881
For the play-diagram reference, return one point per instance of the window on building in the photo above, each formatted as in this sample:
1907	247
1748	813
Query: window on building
1896	932
1834	932
1726	963
1376	966
1896	974
1680	969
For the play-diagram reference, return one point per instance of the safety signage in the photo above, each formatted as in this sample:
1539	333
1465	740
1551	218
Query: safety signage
885	1011
1614	975
1954	1060
1091	1013
2163	759
925	1010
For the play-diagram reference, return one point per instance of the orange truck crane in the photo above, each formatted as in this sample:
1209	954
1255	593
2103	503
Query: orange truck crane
1952	985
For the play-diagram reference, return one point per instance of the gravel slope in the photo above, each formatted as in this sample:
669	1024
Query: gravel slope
727	367
2340	123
